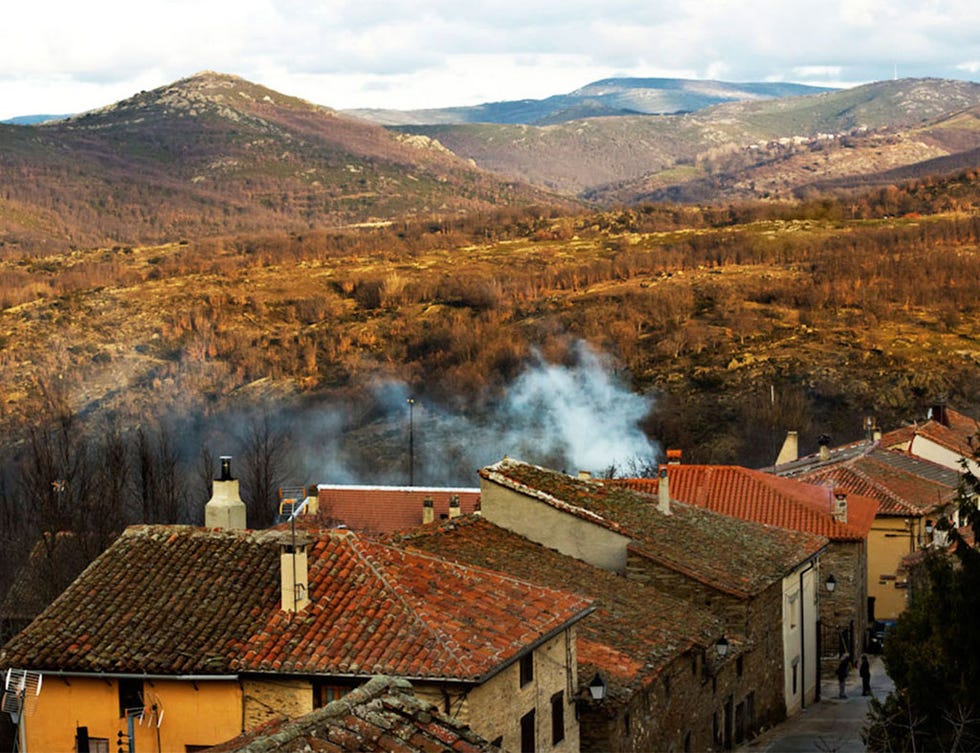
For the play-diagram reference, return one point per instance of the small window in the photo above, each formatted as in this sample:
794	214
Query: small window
794	679
687	742
527	732
667	688
627	724
324	693
130	695
739	666
558	717
527	669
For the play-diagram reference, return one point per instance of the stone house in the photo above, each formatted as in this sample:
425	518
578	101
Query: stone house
912	495
656	656
845	520
180	637
761	581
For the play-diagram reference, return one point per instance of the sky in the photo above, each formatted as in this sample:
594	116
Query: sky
60	57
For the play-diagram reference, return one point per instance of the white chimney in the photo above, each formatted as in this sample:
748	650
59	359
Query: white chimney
294	571
584	475
428	511
663	492
790	450
454	509
840	507
225	509
824	442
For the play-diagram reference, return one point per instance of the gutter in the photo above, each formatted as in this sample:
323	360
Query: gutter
135	676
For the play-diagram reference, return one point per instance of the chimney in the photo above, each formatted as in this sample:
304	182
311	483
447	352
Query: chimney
454	511
840	507
938	412
663	492
824	442
225	509
584	476
674	457
790	450
428	511
294	571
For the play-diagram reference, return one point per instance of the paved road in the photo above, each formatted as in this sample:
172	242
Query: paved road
831	725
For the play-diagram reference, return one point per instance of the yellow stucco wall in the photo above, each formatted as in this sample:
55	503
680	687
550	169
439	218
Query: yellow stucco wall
206	715
890	539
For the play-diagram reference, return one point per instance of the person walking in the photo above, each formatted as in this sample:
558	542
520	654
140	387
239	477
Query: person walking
865	673
843	669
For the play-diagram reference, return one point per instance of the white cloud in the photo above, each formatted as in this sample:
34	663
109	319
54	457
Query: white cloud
64	56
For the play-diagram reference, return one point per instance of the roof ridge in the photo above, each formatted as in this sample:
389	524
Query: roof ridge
882	489
450	646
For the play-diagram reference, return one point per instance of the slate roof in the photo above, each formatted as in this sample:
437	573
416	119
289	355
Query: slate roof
183	600
381	716
635	631
384	509
902	484
754	495
736	556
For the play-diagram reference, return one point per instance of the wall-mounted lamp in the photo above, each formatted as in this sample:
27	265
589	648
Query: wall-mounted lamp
722	647
929	528
830	583
597	688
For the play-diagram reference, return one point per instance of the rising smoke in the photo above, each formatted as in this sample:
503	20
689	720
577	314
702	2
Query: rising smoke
568	417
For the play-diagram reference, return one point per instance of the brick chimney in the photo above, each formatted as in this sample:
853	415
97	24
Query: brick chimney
428	511
790	450
663	491
225	509
454	510
840	507
294	571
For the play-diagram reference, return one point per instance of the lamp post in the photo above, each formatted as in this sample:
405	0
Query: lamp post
411	441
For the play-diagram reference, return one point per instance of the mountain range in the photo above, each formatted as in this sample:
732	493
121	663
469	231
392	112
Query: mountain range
215	154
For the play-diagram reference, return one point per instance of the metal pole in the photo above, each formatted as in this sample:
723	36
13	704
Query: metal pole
411	441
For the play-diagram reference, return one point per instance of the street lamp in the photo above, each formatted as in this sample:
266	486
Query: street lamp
722	647
831	583
597	688
411	441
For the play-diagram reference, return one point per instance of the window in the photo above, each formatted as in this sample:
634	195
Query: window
667	688
739	666
527	732
527	669
86	744
687	742
558	717
324	693
130	695
627	725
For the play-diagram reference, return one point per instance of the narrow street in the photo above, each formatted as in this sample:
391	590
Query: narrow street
832	725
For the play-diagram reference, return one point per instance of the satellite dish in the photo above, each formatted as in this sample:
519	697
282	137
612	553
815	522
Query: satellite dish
20	691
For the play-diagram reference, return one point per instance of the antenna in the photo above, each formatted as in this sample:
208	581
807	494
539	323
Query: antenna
21	689
153	710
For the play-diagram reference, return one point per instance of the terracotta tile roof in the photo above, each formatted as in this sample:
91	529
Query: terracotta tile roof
384	509
633	634
736	556
901	483
954	436
381	716
754	495
184	600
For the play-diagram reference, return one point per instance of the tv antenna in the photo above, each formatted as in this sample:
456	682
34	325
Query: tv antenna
21	688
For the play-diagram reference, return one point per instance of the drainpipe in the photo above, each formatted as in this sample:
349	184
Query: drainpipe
803	639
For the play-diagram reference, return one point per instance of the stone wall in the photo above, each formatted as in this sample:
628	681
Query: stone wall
847	561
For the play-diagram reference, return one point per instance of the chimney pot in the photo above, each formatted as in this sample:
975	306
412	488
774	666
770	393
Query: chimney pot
674	457
824	442
294	572
454	509
225	469
584	475
428	511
